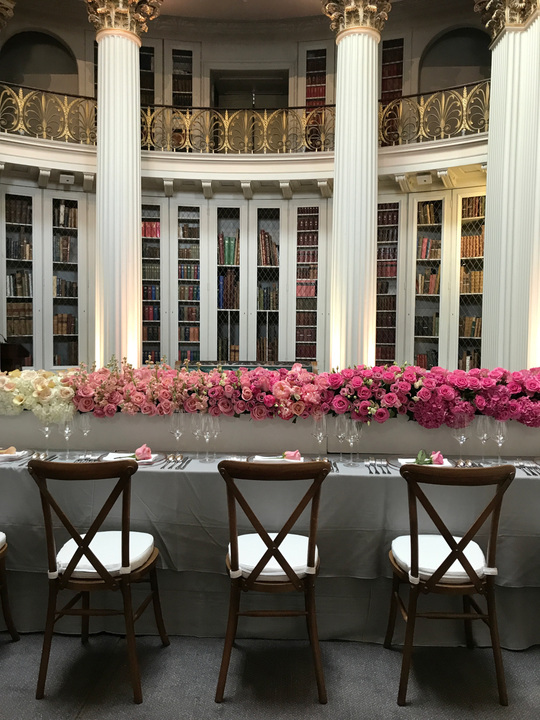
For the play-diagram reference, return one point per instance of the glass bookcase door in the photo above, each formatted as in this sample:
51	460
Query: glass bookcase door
429	233
151	283
307	283
471	281
19	254
189	284
268	267
387	264
228	284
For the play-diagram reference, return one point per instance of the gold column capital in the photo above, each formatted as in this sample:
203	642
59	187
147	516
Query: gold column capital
500	14
128	15
350	14
6	12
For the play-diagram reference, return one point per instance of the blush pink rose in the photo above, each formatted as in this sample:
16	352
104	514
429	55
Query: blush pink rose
143	453
259	412
292	455
109	410
84	404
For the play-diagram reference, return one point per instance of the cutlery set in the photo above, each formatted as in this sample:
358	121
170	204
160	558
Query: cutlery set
377	466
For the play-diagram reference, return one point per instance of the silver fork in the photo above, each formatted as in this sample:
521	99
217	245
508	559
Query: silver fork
374	464
367	463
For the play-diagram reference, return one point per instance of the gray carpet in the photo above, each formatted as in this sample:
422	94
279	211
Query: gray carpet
268	680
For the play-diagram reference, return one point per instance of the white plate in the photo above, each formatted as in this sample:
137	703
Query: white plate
271	459
19	455
111	457
412	461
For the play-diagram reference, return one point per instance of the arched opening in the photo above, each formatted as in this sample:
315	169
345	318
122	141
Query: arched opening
458	57
40	61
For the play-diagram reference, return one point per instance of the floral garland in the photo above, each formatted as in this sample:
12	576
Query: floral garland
432	397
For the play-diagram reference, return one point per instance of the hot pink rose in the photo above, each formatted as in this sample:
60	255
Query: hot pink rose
143	453
437	458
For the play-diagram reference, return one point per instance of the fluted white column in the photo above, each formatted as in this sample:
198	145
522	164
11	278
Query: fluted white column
118	201
511	313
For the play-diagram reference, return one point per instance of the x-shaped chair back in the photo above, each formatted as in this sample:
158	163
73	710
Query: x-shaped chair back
232	471
499	477
121	470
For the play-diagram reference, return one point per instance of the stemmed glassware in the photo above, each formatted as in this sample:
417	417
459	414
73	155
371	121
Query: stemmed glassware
482	433
196	428
498	433
46	428
319	431
177	429
207	431
354	431
216	426
341	433
460	431
66	428
83	421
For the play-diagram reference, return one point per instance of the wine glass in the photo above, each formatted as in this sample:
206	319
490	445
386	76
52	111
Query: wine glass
177	429
354	430
46	428
460	431
319	431
207	432
196	428
216	426
83	421
498	433
341	433
66	429
482	433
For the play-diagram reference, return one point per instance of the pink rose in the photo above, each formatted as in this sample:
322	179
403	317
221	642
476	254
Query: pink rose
292	455
259	412
109	410
143	453
437	458
84	404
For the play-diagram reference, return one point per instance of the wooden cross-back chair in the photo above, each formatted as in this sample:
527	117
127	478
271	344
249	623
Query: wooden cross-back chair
448	565
4	597
96	560
273	562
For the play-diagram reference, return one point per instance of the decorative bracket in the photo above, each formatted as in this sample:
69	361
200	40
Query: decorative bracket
88	182
168	188
44	177
207	189
448	178
403	182
325	188
286	190
247	190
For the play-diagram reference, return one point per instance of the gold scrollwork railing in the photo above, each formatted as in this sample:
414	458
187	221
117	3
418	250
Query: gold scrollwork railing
46	115
443	114
406	120
207	130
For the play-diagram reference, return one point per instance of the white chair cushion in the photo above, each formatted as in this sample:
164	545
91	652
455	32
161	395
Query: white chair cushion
432	550
2	539
294	548
107	547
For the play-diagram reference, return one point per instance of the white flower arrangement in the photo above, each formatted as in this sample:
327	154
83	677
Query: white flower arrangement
42	392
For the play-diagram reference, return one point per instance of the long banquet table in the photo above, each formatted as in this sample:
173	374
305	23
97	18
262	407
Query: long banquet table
360	513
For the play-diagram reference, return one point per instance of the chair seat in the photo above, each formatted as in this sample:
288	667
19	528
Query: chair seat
2	539
294	548
107	546
432	550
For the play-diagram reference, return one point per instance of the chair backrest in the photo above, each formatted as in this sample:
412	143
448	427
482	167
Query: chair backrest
499	477
232	471
122	471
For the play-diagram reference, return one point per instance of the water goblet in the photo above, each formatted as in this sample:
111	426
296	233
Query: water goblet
207	432
319	431
354	431
482	433
67	430
460	431
341	433
83	421
216	425
46	428
196	428
498	433
177	429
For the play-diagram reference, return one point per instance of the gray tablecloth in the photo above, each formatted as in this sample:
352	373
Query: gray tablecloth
360	514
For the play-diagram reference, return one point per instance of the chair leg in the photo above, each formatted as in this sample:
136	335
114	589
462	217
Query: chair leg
496	645
47	639
4	597
468	623
314	641
392	612
408	645
157	608
232	624
130	641
85	619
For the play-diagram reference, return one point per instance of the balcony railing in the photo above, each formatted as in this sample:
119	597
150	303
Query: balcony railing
443	114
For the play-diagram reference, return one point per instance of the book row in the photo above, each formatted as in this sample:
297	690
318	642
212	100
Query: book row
306	334
428	248
65	324
229	249
268	297
267	350
306	351
472	245
151	292
65	214
226	352
18	248
306	318
151	228
316	91
391	69
470	281
189	333
307	256
64	249
18	210
268	250
68	355
304	272
386	318
428	282
428	359
181	83
429	213
151	312
151	356
386	302
469	359
19	284
188	231
385	335
228	291
387	268
387	234
473	207
307	238
426	325
188	271
150	271
191	252
308	222
470	326
19	323
385	352
150	251
387	252
388	216
383	286
188	313
191	355
63	288
306	288
316	78
189	292
150	333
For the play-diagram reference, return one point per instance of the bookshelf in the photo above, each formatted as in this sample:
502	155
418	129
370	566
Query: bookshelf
268	250
315	78
471	281
151	283
19	272
189	284
228	284
147	75
428	282
182	78
65	282
307	276
387	260
391	70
